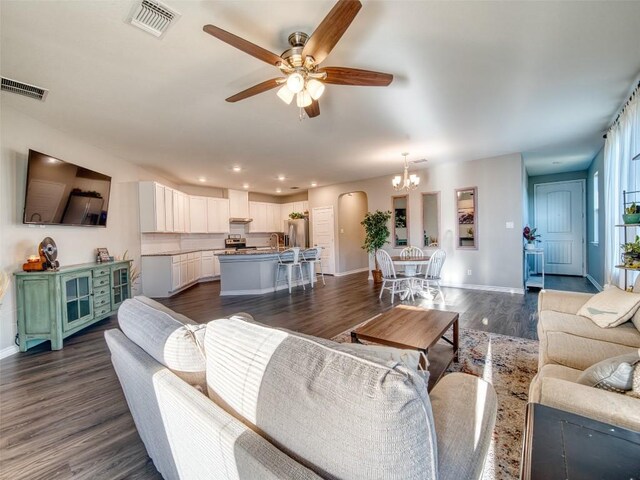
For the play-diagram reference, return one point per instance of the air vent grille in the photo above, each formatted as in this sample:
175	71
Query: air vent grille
153	17
422	160
24	89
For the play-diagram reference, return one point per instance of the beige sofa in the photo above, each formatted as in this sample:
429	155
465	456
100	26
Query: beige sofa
569	344
289	406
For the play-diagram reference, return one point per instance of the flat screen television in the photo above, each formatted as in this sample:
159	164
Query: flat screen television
61	193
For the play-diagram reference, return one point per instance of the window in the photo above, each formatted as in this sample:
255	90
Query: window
596	208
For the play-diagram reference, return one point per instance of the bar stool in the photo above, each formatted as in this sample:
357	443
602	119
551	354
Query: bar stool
284	263
313	256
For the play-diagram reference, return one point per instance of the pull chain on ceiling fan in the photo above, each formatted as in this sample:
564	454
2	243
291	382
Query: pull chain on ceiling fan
303	79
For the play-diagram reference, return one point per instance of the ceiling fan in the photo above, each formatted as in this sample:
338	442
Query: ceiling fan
303	78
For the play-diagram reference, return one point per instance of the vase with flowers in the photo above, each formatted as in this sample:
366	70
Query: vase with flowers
531	237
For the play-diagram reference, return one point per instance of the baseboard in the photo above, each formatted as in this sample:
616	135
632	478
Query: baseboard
7	352
488	288
595	284
351	272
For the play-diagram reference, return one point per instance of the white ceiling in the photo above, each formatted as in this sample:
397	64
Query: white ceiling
472	80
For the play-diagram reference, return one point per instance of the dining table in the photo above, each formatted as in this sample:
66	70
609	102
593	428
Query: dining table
411	266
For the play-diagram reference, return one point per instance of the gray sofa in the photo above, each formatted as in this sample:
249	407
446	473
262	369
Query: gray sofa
569	344
234	399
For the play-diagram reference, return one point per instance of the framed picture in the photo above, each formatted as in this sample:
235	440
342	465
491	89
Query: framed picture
103	254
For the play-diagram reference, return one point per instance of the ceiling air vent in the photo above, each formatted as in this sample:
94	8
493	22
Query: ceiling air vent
24	89
415	162
152	17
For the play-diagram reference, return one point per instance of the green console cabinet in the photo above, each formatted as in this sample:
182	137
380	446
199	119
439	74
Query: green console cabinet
55	304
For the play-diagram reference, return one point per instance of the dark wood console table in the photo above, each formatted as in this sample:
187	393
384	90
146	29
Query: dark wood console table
563	445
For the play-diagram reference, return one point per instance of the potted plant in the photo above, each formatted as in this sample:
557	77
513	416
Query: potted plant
376	235
631	214
296	215
531	237
631	253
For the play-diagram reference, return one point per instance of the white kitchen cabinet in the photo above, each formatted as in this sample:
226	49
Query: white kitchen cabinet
198	214
175	276
207	265
179	211
299	207
238	204
156	207
217	215
198	266
258	211
273	212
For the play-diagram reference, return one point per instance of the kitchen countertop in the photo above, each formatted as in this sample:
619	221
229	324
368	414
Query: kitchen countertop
171	253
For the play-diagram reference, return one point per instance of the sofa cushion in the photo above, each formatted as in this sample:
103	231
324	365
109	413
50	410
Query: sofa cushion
167	337
464	424
614	374
321	405
577	342
611	307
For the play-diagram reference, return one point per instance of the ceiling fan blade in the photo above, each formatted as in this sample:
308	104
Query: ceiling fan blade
244	45
256	89
313	110
331	29
356	77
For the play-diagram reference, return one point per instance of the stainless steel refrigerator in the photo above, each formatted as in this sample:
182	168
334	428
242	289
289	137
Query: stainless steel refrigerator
298	231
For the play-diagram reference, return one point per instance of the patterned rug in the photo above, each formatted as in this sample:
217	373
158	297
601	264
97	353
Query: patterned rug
509	364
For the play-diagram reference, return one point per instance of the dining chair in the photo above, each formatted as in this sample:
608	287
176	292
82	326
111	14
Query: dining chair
414	252
288	261
313	256
432	273
398	283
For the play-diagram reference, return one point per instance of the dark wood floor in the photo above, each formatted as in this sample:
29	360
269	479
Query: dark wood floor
63	414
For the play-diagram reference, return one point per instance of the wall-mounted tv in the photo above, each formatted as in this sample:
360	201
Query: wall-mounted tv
61	193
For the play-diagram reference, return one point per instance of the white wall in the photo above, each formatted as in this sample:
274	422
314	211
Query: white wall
498	260
18	134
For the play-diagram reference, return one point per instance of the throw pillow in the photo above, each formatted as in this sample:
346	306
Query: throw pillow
614	374
611	307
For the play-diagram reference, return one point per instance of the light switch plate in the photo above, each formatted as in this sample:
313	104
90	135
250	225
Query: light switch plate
509	225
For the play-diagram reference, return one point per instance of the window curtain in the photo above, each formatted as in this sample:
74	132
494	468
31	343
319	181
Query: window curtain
622	173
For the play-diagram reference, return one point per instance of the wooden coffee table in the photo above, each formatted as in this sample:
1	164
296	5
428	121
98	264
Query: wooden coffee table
418	329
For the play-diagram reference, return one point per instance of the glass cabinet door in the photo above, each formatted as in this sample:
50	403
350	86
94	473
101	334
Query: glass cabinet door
121	286
77	305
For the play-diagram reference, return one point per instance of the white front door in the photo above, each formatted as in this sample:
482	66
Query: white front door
559	215
323	236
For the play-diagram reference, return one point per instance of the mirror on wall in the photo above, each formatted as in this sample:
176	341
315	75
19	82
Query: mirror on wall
431	219
467	216
400	221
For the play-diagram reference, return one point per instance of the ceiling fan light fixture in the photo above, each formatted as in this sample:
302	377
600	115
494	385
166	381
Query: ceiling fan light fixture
285	94
315	88
303	99
295	82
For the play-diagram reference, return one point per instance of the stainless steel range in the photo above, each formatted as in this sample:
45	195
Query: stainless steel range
234	240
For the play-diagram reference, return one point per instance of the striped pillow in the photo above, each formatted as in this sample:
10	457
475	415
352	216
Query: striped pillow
167	337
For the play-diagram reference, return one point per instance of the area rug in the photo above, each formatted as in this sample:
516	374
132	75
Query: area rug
509	364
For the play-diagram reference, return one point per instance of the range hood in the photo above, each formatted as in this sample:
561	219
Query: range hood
240	221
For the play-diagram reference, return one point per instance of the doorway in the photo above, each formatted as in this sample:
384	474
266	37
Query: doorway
323	236
559	210
352	207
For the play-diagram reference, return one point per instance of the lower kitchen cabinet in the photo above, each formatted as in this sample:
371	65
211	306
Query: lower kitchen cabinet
55	304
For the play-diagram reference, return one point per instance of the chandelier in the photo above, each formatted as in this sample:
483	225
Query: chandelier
406	181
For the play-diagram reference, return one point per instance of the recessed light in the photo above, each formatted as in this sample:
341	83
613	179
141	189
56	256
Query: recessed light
245	185
281	177
278	190
314	184
236	168
202	179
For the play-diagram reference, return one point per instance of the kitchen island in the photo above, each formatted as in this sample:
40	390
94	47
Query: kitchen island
253	272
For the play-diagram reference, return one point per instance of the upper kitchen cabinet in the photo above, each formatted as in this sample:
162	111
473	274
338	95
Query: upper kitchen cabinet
217	215
266	217
238	204
180	214
198	214
156	207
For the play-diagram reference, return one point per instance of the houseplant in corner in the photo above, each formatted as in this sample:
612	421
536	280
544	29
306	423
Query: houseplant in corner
531	237
631	253
376	235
